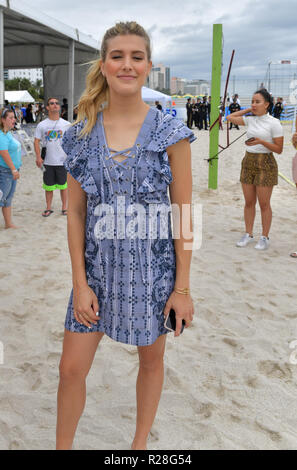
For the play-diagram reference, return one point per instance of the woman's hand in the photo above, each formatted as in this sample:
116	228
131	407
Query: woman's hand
256	141
276	146
183	307
15	175
85	306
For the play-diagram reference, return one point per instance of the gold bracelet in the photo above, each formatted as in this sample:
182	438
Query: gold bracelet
184	291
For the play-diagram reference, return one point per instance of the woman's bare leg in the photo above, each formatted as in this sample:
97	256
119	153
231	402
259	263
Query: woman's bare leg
148	389
77	357
250	196
264	195
6	211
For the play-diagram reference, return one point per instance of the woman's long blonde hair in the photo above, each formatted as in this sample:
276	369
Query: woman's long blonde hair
96	92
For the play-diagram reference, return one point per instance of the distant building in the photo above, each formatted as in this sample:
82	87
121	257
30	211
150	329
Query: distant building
159	77
191	90
30	74
197	87
177	86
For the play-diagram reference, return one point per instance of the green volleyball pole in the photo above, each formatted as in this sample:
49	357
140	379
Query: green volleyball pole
215	104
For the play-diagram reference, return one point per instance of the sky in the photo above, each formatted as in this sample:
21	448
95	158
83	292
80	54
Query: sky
181	30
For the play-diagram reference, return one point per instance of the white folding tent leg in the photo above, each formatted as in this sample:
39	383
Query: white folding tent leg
1	58
71	79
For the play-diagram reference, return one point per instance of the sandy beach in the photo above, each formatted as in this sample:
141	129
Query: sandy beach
230	381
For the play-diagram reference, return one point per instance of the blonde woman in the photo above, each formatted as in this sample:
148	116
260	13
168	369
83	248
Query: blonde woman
10	163
122	155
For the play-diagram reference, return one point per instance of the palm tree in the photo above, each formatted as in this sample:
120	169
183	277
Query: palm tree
38	85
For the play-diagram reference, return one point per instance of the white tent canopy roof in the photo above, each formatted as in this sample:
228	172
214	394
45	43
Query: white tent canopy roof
20	96
33	39
148	94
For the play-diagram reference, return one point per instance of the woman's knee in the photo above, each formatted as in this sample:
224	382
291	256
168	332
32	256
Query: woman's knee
250	203
264	205
152	357
151	364
71	371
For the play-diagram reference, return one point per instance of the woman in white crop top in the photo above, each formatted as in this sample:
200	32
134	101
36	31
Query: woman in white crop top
259	171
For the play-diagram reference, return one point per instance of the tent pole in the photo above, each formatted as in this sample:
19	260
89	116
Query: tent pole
43	75
71	79
1	58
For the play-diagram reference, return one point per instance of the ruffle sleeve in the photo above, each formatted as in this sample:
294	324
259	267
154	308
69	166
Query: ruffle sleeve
77	160
168	132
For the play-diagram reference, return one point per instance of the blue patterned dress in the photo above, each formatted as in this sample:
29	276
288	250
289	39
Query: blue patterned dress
132	275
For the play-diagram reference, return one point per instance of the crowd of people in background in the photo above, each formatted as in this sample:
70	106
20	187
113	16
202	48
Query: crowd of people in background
30	113
198	110
26	113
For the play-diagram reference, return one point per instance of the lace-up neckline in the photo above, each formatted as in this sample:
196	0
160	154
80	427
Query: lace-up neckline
130	152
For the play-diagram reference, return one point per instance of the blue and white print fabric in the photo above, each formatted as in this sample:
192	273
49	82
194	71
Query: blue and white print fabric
132	276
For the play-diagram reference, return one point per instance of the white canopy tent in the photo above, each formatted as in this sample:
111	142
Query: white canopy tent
20	96
152	95
31	39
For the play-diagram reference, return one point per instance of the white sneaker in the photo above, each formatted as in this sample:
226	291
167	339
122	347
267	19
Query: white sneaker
245	240
262	244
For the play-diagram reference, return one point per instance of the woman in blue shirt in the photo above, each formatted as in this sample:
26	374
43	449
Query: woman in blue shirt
10	163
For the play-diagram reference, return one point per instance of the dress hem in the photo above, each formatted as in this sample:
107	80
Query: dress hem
117	340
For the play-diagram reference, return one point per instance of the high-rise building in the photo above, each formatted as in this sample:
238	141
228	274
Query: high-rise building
177	86
159	77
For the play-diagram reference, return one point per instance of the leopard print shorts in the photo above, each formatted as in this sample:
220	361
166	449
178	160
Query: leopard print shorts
259	169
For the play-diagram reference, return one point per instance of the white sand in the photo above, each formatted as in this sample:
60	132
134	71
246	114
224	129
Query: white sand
229	381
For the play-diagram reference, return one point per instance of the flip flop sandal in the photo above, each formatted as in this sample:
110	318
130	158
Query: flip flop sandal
64	212
47	213
294	254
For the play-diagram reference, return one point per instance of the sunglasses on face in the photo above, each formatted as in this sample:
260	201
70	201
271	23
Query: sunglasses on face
54	102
